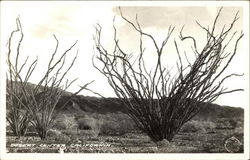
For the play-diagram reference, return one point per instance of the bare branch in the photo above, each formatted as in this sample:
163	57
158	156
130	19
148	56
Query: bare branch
158	102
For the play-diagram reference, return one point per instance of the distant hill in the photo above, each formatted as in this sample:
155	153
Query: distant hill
83	104
114	105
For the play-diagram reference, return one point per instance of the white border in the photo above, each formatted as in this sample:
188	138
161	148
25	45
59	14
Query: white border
138	156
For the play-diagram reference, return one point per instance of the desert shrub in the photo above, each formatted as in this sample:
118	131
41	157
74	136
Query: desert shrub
239	130
198	126
88	134
90	123
237	122
65	122
233	122
208	125
111	128
192	126
165	147
163	143
224	123
117	123
71	132
83	133
70	122
62	138
54	133
239	127
83	124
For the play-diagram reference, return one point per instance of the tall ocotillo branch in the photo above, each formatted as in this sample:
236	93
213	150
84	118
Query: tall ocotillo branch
40	100
158	102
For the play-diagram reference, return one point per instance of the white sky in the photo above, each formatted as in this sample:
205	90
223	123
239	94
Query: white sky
71	21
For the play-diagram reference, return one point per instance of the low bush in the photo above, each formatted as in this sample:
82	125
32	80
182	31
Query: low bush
224	123
198	126
54	133
63	138
239	130
117	124
71	132
91	123
65	121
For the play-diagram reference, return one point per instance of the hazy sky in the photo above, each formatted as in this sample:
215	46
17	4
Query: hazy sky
71	21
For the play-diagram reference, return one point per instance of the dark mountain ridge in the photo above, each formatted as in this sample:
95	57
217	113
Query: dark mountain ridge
114	105
79	104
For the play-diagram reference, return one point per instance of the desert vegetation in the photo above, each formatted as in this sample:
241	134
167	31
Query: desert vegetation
36	104
159	103
118	133
155	111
